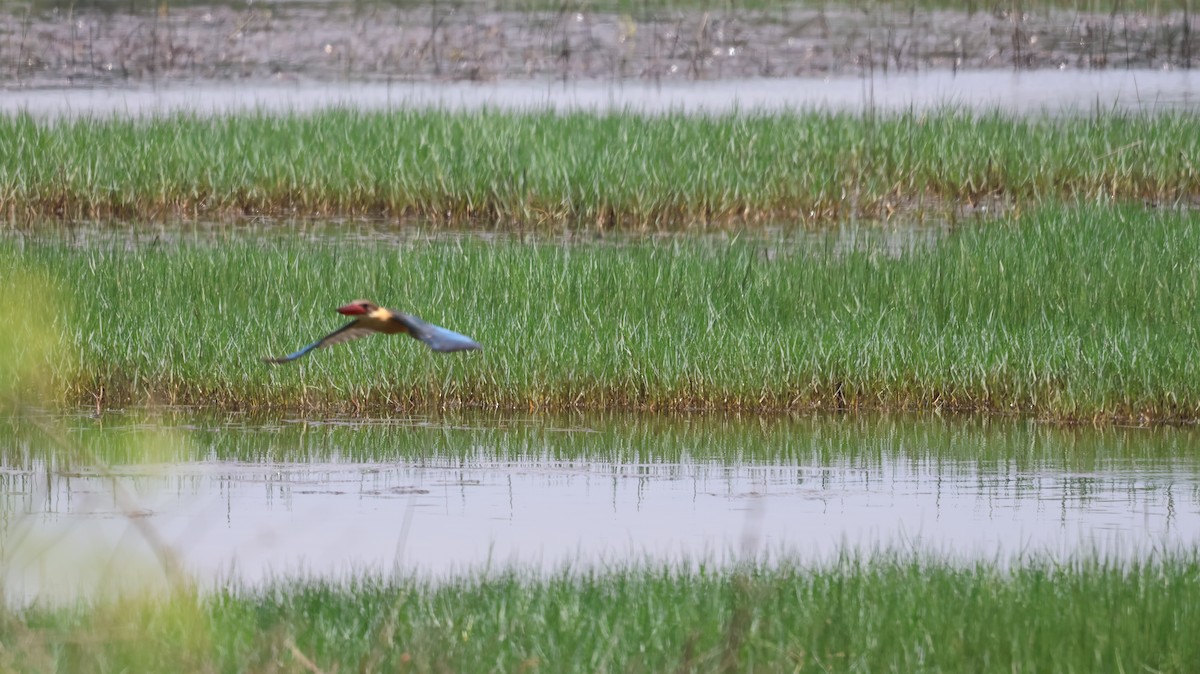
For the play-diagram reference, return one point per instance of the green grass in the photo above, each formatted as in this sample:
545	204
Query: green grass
888	614
1070	313
585	170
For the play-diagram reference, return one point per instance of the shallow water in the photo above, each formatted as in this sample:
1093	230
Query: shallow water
1036	92
895	238
247	498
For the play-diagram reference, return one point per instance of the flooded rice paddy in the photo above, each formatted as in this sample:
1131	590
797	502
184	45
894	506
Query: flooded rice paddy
252	499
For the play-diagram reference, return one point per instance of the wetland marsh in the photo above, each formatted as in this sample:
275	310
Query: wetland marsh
606	170
443	536
1008	316
883	386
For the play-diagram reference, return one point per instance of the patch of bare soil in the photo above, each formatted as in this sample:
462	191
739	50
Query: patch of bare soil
335	42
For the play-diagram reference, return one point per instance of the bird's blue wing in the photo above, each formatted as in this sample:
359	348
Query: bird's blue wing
293	356
349	331
436	337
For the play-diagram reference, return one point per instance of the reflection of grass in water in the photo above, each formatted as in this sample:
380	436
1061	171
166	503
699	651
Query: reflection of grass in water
64	561
521	169
45	449
653	442
1068	313
887	614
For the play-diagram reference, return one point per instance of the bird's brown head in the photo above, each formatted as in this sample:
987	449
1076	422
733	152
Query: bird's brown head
358	308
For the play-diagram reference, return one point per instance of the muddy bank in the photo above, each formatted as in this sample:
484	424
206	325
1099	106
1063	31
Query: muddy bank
63	47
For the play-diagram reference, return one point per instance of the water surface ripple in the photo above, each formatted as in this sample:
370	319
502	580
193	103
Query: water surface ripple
252	499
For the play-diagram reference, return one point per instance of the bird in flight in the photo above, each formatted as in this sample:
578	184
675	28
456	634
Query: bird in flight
370	317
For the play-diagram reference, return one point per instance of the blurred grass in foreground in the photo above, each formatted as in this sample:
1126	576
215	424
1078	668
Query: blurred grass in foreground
889	613
521	169
37	364
35	361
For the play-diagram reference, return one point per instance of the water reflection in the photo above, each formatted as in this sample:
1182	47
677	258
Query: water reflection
1027	93
893	238
250	498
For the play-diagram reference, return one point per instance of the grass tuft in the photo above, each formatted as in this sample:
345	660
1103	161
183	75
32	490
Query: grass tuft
886	613
518	169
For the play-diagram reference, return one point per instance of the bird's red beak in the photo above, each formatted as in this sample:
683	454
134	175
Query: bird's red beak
351	310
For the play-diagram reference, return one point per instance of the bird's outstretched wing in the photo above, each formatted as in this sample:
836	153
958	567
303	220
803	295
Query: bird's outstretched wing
435	337
352	330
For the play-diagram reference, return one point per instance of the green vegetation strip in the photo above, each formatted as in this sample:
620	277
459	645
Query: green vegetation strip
882	615
617	169
1070	313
